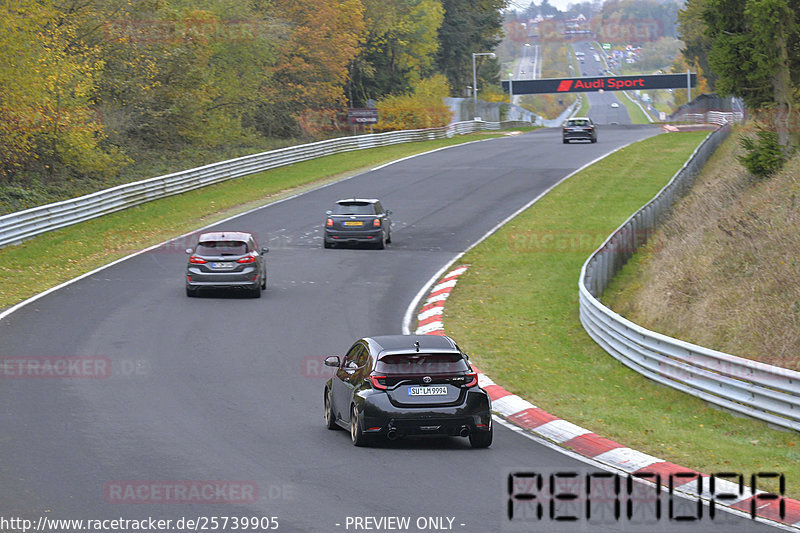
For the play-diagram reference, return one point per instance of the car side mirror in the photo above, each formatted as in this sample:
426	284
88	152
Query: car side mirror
332	360
328	212
189	251
264	250
388	211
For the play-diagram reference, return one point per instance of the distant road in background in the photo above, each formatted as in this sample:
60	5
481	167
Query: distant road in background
600	109
529	66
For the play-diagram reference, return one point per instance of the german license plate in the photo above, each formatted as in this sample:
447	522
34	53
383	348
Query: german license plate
353	223
223	265
427	391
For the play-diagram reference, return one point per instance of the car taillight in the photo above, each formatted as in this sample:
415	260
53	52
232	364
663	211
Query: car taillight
376	222
329	222
247	259
197	260
379	382
472	379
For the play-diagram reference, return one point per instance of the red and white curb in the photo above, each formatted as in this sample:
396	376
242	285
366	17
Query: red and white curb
429	320
528	417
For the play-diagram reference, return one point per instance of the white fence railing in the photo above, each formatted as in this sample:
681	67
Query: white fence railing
16	227
755	389
720	118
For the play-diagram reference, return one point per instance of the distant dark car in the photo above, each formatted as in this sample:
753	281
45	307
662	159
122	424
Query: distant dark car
226	260
358	221
397	385
579	128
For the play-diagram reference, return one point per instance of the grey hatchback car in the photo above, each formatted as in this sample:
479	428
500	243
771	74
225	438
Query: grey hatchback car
226	260
358	221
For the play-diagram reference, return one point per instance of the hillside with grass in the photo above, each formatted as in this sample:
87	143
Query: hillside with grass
724	269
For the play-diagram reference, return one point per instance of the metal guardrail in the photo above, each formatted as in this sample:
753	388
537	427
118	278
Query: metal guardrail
719	118
19	226
762	391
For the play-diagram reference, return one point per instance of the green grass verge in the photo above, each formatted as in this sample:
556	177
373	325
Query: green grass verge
634	111
88	245
516	312
584	109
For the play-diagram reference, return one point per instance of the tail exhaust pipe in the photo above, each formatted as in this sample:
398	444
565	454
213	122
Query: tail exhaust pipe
464	431
392	434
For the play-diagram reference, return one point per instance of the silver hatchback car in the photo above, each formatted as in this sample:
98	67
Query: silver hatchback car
226	260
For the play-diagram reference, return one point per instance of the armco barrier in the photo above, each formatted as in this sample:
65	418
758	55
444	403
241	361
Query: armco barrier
16	227
755	389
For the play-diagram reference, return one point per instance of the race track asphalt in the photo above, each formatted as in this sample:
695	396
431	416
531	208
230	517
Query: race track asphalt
227	388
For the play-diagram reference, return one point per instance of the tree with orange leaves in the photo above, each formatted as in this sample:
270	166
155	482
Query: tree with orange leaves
323	37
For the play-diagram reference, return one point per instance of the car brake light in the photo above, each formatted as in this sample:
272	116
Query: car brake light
472	379
379	382
247	259
197	260
376	222
329	222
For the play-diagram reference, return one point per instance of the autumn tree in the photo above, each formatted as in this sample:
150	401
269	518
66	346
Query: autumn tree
697	44
399	48
422	107
312	63
754	55
48	84
469	26
178	75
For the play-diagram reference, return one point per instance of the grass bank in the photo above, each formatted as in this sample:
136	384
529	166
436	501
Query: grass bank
584	109
730	279
516	312
86	246
634	111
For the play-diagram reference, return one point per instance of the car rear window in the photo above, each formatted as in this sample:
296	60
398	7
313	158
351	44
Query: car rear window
354	208
577	123
221	248
420	363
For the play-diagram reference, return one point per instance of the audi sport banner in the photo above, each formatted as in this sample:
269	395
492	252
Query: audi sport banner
605	83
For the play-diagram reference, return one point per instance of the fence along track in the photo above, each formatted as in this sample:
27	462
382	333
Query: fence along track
758	390
22	225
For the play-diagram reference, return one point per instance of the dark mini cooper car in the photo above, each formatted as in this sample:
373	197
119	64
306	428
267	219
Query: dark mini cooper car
357	221
579	128
399	385
226	259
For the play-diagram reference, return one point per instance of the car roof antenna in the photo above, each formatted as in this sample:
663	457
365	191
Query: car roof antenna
416	345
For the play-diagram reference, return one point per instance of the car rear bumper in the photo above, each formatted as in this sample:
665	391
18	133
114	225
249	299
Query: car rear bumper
345	236
473	414
575	136
461	426
247	279
222	285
